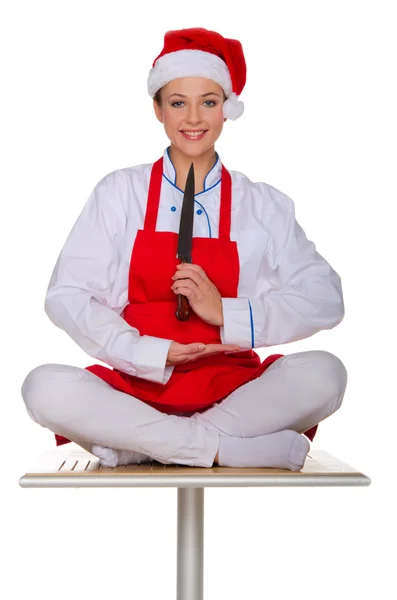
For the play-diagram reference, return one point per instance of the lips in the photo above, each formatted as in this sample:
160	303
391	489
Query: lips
193	137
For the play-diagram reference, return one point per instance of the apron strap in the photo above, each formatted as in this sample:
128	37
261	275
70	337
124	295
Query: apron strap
226	206
153	200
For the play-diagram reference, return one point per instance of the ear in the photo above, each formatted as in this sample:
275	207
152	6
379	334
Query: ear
157	110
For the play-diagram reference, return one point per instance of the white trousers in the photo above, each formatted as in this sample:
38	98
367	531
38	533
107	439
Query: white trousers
297	391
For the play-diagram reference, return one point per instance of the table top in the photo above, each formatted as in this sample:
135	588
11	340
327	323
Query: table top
69	465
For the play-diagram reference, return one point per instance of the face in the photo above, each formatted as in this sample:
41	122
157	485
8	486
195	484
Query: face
191	103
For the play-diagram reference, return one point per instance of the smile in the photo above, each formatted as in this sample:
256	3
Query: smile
193	135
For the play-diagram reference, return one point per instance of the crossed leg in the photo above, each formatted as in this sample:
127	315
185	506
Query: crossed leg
294	393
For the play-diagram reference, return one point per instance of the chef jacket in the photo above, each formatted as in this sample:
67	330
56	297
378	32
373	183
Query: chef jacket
287	291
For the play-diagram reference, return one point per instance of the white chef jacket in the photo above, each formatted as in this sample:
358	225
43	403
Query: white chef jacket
286	291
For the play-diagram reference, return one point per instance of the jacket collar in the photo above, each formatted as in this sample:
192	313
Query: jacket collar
212	178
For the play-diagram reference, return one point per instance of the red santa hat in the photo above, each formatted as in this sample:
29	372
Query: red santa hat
198	52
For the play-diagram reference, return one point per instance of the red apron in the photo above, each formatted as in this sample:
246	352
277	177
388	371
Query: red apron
193	386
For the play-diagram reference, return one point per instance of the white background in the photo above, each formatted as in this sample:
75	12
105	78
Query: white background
320	125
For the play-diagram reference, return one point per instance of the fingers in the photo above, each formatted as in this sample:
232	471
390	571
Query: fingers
212	347
223	347
200	347
183	353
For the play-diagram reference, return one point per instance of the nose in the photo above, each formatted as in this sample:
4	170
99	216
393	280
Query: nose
194	116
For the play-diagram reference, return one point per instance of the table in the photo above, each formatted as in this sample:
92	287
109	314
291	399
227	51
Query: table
69	465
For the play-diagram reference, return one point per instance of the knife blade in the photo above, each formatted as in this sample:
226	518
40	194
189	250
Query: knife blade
184	252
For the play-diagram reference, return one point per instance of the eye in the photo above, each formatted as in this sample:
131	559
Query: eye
181	102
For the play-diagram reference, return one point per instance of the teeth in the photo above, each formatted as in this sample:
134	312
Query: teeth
193	134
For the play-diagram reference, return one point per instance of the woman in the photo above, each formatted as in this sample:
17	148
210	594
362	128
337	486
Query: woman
191	392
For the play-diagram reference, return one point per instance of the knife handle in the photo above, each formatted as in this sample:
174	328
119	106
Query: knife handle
182	312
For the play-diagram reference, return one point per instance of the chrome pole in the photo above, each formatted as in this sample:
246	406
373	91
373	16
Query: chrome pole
190	547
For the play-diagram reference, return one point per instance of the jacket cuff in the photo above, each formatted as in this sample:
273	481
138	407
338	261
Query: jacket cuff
238	327
150	357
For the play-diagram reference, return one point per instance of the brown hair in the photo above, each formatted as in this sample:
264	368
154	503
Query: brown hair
157	96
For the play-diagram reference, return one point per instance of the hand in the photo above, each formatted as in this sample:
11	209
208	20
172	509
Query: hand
183	353
204	297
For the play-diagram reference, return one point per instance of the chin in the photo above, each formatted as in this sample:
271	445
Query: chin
195	151
195	148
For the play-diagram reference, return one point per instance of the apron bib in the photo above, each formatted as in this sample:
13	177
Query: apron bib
196	385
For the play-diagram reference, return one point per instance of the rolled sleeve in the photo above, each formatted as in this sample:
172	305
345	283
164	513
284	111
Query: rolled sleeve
149	358
237	322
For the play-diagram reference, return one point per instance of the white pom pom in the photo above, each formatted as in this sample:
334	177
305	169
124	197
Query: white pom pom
233	108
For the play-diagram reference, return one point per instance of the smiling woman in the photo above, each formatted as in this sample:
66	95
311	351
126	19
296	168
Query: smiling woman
192	392
193	124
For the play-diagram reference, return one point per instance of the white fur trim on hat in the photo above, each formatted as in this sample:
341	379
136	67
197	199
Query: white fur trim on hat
189	63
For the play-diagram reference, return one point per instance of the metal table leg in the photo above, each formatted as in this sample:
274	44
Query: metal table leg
190	550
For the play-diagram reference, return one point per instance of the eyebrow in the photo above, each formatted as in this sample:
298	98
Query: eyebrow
202	95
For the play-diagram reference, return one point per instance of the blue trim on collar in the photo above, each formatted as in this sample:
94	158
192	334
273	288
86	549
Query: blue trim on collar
216	162
252	325
168	152
182	191
205	190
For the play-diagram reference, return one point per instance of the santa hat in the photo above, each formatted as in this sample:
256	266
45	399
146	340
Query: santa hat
198	52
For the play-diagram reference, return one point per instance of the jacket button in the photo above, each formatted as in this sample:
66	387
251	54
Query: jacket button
173	208
199	211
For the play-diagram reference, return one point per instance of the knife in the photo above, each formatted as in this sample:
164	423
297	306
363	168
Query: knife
185	239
